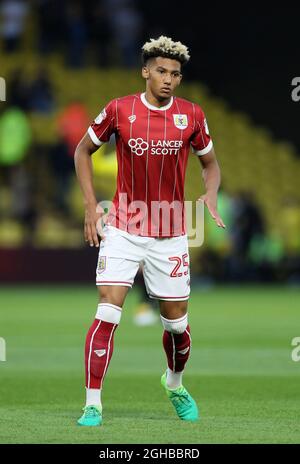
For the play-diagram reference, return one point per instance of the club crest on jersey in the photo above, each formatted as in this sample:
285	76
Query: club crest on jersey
132	118
100	117
101	264
180	121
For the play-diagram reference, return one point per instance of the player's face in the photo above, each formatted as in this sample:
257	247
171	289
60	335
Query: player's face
163	75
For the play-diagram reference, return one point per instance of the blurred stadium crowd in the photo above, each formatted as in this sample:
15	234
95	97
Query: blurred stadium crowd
40	204
104	32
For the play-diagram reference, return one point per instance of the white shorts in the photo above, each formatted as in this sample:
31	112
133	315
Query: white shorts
165	263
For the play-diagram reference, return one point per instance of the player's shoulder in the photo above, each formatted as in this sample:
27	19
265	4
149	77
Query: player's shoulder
188	106
122	105
126	100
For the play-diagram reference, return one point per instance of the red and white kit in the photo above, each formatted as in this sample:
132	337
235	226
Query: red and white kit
146	222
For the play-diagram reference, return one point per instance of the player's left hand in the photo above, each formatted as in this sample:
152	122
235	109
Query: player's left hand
92	224
210	200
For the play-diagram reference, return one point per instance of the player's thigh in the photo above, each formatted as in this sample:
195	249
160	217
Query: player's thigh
118	263
115	279
113	294
166	272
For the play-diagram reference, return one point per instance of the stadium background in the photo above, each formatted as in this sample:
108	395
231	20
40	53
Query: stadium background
62	61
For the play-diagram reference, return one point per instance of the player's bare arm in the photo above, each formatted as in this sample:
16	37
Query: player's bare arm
212	178
84	171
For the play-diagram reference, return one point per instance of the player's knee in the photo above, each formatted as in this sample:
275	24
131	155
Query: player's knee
112	294
175	326
108	312
173	309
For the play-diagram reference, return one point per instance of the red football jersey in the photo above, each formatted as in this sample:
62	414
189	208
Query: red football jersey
152	146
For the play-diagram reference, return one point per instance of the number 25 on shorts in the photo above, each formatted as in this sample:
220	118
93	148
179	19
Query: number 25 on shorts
181	264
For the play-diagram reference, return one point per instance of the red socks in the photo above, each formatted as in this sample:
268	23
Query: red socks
99	344
177	348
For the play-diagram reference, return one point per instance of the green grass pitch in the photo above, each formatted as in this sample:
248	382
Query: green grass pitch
240	371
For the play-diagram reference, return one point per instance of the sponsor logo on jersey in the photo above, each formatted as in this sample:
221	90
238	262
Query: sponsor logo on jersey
138	146
101	264
180	121
132	118
101	116
155	147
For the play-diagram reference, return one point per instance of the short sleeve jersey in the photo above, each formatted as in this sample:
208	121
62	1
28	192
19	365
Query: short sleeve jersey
152	146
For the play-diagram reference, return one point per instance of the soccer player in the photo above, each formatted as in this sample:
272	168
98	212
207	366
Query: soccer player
154	131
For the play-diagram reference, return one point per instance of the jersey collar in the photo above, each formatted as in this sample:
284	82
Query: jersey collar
152	107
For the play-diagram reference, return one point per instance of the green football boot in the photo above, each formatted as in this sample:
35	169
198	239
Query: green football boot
92	416
182	401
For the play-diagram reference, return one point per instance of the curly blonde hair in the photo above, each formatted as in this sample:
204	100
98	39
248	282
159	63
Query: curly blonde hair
167	48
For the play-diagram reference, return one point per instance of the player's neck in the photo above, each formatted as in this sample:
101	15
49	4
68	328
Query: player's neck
155	101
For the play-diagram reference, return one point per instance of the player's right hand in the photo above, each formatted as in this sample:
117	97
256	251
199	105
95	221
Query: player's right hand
92	225
210	200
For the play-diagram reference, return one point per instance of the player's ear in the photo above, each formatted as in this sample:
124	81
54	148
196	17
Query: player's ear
145	72
180	76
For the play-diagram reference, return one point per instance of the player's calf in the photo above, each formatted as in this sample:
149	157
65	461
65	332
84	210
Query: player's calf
99	347
177	345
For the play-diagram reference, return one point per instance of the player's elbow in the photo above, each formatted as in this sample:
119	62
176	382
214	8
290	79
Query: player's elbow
210	163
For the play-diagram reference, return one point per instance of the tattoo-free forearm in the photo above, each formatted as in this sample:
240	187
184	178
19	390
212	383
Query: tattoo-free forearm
84	171
212	176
